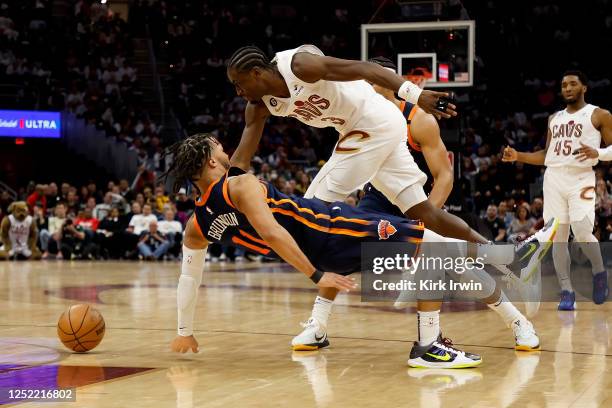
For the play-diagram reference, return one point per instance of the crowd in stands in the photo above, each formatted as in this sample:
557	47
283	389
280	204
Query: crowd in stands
86	69
81	63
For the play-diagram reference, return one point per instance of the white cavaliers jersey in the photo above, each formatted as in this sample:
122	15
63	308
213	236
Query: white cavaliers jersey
567	131
19	232
323	103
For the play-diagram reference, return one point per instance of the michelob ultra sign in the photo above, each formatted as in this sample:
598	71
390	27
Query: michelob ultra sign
23	124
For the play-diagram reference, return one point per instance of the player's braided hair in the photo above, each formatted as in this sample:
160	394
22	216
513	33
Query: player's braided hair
246	58
383	62
188	156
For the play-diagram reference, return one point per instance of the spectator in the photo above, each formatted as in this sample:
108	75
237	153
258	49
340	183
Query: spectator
184	206
504	214
153	244
109	234
495	225
37	198
160	199
87	221
125	191
140	222
101	210
522	226
51	238
172	230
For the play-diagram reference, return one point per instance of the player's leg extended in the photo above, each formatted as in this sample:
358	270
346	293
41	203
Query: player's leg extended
490	293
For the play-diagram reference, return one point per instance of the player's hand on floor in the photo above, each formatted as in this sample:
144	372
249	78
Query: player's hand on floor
182	344
333	280
436	103
509	155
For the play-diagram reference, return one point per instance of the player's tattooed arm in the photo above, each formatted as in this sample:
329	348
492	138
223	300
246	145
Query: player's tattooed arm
246	193
312	68
536	158
602	121
426	132
255	116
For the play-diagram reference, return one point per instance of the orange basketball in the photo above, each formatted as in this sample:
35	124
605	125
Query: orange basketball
81	328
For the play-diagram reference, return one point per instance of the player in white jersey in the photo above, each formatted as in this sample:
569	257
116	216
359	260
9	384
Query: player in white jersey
322	91
572	149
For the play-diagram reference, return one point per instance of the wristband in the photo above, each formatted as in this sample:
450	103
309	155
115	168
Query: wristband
605	154
409	92
316	276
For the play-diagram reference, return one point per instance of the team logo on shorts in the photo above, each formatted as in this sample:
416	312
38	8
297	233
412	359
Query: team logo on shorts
385	229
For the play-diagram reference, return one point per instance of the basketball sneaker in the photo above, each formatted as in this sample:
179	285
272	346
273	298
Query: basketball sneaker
441	354
534	248
313	337
568	300
525	336
600	287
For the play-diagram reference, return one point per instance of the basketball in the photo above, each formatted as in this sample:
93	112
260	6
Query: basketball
81	328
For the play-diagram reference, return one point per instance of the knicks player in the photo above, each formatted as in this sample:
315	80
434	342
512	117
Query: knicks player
429	151
234	208
572	149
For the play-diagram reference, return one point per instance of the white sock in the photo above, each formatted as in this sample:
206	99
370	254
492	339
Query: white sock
502	254
322	309
506	310
429	326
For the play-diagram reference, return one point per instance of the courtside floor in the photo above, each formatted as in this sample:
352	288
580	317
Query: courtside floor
246	317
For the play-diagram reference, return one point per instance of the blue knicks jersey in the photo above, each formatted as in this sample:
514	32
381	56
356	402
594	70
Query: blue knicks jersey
329	234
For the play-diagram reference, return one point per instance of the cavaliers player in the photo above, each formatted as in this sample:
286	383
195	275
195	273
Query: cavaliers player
428	149
322	91
234	208
572	149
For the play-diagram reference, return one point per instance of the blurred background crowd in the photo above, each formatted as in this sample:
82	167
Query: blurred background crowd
98	75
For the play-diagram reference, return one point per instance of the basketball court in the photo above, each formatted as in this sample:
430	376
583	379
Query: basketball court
246	316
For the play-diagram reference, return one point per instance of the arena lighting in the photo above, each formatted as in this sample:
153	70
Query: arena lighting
103	1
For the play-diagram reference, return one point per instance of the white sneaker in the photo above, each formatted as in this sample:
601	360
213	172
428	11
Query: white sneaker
313	337
525	336
239	259
222	257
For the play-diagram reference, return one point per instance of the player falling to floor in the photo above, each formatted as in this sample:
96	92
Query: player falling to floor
235	208
572	149
426	145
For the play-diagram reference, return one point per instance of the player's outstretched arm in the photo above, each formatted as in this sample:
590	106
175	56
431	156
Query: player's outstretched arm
426	132
194	254
536	158
602	121
247	194
312	68
255	116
